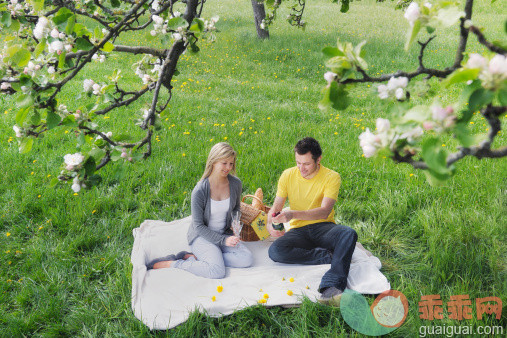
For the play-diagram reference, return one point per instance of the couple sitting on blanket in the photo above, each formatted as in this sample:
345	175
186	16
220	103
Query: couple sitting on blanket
313	238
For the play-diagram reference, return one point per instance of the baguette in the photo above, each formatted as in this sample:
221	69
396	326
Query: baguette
255	203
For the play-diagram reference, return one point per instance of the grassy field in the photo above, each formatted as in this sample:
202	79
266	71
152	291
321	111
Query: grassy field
65	258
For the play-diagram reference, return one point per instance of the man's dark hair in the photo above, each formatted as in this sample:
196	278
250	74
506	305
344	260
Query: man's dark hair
308	144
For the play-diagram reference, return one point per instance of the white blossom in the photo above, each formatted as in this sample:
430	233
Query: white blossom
476	61
397	82
383	92
153	32
40	29
76	187
5	86
17	130
329	76
73	160
439	113
383	125
88	85
96	89
412	13
56	46
399	93
367	141
55	34
68	48
157	19
498	65
413	134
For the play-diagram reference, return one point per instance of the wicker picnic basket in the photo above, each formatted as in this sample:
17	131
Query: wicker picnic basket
248	215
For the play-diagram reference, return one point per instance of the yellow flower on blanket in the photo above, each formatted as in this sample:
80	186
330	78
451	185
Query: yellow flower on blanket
213	298
291	280
262	301
289	292
220	288
266	296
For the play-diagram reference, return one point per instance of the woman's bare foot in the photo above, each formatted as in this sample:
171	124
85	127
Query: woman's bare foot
187	256
163	264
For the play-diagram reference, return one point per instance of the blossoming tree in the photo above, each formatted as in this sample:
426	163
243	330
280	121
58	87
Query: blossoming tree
48	43
413	135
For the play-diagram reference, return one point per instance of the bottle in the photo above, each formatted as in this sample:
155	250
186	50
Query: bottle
277	226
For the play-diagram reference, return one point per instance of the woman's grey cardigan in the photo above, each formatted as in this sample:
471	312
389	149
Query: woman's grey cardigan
201	211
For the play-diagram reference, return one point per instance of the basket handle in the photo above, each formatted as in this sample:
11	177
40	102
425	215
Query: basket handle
253	196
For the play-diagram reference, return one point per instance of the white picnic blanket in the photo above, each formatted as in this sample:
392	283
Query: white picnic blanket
164	298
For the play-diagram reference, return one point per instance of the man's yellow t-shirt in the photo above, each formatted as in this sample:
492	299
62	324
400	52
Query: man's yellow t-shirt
306	194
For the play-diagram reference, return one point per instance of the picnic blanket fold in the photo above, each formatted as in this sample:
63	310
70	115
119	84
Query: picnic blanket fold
163	299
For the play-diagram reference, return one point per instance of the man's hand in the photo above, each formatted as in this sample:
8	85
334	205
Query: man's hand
232	241
273	232
277	206
283	217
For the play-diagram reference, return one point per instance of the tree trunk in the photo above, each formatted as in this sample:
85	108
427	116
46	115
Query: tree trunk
259	15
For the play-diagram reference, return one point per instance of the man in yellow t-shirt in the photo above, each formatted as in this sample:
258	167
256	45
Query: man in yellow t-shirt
313	237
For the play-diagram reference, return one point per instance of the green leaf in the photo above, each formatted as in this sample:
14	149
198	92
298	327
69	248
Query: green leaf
35	120
435	156
62	15
462	75
334	96
345	6
464	136
21	57
479	98
21	116
174	23
449	16
39	48
24	101
70	25
38	5
83	44
332	52
52	119
94	180
413	34
108	47
90	166
61	60
69	121
115	3
197	26
502	96
26	145
54	181
81	30
5	20
115	155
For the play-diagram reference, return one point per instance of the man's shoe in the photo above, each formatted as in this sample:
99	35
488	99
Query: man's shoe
331	296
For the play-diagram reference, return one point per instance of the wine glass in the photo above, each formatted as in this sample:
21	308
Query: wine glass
236	225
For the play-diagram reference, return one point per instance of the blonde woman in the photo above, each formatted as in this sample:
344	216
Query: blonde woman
214	198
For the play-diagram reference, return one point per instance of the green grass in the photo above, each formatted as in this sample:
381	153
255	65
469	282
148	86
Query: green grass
65	267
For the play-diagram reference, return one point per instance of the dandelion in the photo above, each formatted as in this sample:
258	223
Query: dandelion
94	211
291	280
213	298
411	175
266	296
220	288
8	234
289	292
262	301
183	155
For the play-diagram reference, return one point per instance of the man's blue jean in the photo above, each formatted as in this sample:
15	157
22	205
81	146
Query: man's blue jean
319	243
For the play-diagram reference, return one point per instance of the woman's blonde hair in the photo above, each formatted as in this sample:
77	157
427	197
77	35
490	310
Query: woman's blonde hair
219	151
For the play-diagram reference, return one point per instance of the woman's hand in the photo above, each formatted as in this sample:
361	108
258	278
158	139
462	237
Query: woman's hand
232	241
